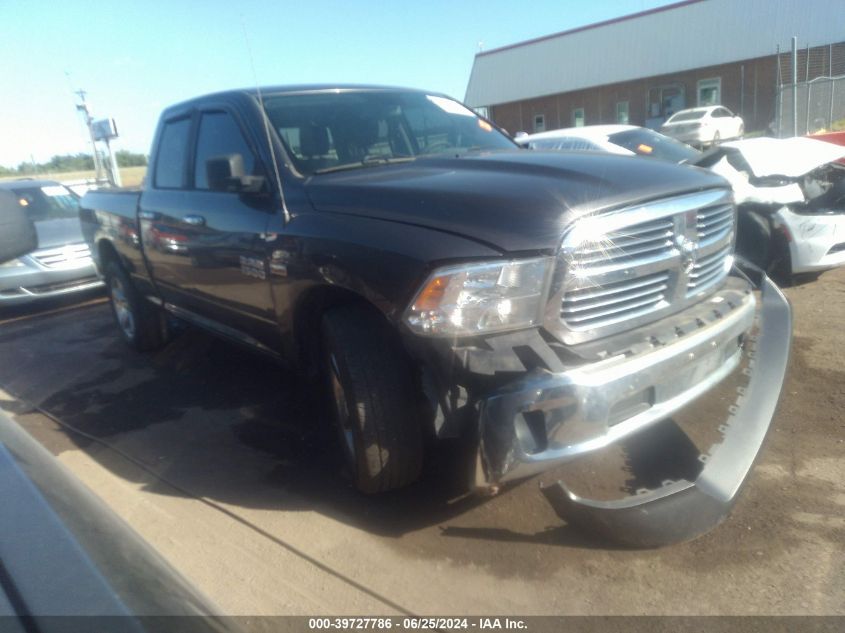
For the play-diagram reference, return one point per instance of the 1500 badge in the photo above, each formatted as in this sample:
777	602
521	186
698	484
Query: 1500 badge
253	267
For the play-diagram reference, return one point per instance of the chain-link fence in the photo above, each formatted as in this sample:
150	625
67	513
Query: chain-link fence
819	105
818	86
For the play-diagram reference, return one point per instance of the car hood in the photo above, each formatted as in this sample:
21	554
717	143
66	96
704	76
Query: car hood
58	232
513	201
788	157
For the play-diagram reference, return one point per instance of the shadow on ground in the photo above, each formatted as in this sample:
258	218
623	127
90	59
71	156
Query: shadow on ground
211	420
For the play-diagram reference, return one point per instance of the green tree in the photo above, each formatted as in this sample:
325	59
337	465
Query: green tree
125	158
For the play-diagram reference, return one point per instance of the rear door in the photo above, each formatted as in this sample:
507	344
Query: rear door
206	247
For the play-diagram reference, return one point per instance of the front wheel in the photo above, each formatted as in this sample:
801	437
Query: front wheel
374	404
141	324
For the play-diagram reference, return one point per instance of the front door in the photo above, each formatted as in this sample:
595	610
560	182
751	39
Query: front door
206	247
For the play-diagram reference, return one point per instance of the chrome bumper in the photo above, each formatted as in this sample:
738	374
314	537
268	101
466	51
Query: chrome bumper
18	296
550	419
32	282
682	510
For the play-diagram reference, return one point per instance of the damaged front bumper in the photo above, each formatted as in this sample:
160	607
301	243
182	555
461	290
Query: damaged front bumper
817	240
552	418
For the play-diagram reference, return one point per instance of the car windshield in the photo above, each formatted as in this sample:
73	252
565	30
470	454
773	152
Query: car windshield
328	131
48	202
646	142
689	115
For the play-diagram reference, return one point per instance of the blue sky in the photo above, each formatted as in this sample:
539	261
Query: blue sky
136	57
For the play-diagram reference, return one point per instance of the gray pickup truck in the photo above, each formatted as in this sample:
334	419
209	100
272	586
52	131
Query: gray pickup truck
440	283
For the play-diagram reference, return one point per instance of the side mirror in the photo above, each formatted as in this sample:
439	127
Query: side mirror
226	173
17	230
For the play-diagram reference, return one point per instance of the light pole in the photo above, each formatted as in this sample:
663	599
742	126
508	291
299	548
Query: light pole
83	107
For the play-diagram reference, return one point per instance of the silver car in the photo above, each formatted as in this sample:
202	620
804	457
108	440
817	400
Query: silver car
62	263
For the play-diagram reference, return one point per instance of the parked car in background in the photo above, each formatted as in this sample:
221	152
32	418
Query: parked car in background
791	199
61	264
627	140
704	126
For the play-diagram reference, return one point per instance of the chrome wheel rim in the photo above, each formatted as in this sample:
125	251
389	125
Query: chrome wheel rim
122	310
341	409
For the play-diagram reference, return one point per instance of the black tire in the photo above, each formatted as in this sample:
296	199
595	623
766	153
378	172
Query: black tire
373	402
717	138
141	324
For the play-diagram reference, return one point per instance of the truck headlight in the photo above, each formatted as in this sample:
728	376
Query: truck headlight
480	298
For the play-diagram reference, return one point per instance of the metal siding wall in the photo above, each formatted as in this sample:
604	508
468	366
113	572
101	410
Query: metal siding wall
701	34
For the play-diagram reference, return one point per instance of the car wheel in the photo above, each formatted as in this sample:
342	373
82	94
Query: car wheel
717	138
374	404
141	324
741	130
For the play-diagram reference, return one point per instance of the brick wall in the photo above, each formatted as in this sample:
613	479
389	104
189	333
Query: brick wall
747	88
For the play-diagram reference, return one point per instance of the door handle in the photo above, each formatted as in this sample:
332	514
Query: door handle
194	220
149	215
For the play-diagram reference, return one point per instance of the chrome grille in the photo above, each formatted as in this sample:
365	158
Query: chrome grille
614	302
641	263
643	240
708	270
64	257
714	222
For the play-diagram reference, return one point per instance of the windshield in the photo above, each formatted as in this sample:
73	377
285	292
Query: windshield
50	202
689	115
646	142
338	130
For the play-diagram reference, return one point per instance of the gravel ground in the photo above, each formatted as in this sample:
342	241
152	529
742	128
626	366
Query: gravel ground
206	451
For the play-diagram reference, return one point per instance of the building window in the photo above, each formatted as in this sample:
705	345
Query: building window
539	123
710	92
622	112
578	117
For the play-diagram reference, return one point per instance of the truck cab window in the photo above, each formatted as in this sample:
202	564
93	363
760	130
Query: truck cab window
219	135
172	154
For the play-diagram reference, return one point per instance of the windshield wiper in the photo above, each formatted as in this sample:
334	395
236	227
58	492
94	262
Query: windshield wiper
367	161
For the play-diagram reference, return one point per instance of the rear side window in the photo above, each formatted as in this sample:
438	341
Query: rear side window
219	135
172	155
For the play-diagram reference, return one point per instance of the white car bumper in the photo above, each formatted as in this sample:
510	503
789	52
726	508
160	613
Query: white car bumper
817	240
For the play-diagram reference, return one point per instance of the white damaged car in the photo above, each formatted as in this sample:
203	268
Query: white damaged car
791	199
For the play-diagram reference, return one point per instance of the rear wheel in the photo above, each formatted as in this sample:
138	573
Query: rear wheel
141	324
373	401
717	138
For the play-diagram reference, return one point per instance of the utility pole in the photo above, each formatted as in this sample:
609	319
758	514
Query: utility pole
83	107
794	86
115	171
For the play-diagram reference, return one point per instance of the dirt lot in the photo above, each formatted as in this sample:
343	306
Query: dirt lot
205	450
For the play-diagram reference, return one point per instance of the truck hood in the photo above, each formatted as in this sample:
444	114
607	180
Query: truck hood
513	201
